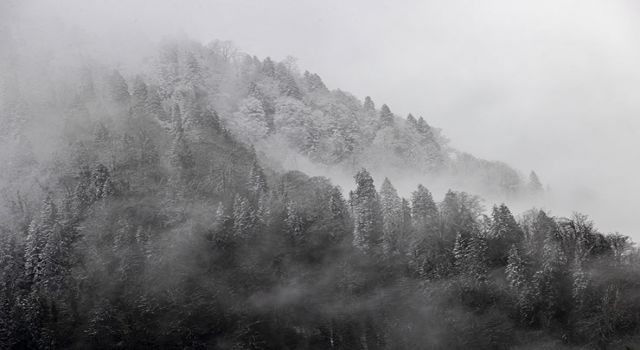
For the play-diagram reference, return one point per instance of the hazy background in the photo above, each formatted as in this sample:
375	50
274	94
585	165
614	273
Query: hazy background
544	85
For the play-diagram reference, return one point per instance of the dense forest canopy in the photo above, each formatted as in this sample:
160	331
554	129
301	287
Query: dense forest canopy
156	209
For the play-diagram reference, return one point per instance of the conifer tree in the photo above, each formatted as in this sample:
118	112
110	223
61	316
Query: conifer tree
469	253
519	283
458	213
549	280
424	129
288	85
368	104
337	204
314	82
268	67
504	233
386	117
367	234
424	212
391	206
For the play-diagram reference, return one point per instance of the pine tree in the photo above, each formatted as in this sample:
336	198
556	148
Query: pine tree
367	234
517	278
386	117
540	228
549	280
268	67
391	206
369	105
504	233
424	129
459	251
313	82
469	253
424	212
337	205
288	85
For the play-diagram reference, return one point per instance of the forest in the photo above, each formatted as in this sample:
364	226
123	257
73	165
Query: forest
148	209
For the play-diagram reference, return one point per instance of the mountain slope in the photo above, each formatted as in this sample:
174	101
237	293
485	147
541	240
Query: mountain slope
295	116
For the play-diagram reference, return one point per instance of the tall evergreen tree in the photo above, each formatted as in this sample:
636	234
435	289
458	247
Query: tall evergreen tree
288	85
424	212
367	234
519	283
391	206
268	67
505	233
386	117
369	105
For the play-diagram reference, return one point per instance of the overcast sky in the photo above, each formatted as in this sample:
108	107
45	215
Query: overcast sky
544	85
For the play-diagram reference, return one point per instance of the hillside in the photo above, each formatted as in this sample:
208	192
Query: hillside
295	118
154	207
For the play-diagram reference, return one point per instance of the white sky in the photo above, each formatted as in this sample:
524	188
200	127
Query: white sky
548	85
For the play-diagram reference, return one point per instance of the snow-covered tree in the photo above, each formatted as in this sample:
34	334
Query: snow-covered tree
368	104
367	234
386	117
249	122
391	205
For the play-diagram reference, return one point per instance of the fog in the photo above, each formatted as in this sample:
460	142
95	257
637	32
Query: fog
544	85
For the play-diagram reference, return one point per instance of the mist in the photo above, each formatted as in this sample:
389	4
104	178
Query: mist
545	86
248	174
